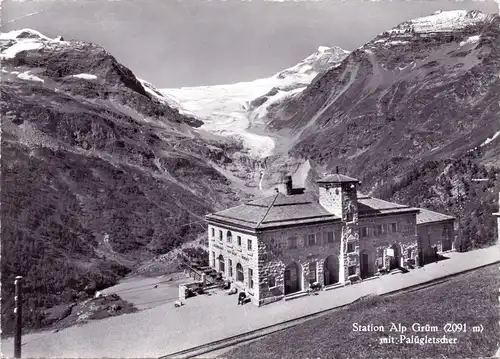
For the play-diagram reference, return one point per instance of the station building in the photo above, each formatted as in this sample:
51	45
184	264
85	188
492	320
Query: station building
278	246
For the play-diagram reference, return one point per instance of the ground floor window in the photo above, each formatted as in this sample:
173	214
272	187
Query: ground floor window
250	278
213	259
351	270
230	265
272	282
312	272
221	264
239	273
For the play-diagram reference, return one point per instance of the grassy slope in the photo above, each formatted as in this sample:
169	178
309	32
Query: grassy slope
470	298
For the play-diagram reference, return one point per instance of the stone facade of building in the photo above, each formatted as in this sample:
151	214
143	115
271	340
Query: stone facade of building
234	253
299	239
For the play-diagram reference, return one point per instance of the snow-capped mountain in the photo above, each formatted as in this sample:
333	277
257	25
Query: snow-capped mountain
237	110
426	89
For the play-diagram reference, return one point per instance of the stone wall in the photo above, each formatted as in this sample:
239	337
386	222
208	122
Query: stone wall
275	255
237	254
381	235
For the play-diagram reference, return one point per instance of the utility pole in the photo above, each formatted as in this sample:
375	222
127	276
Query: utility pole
19	317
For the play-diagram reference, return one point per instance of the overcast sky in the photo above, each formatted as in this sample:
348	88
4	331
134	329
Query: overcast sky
174	43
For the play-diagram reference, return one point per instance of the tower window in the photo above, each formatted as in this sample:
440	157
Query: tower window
349	217
350	247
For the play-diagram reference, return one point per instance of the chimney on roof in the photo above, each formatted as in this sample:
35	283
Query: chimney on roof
286	185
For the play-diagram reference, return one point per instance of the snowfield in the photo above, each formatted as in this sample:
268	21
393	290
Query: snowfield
441	21
29	77
226	109
85	76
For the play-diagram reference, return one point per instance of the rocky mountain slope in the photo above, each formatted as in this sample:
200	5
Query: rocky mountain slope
98	174
401	111
427	89
237	110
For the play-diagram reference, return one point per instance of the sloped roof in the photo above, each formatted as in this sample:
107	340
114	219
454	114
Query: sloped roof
276	210
336	178
428	216
369	206
281	210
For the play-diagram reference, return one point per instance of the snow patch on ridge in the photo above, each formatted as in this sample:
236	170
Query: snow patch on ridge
470	40
441	21
85	76
29	77
490	139
25	40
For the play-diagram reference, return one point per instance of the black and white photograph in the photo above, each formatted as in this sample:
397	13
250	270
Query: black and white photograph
250	179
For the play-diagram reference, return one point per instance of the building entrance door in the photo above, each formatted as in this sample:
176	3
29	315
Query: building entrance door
446	244
364	266
292	279
395	262
331	270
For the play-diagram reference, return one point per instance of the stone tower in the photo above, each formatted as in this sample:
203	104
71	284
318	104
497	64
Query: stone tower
338	194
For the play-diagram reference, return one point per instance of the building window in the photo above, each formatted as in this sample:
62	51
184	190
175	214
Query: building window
348	217
238	238
292	243
220	235
352	270
384	228
312	272
230	265
272	282
229	237
350	247
394	227
240	277
213	259
221	264
311	240
364	232
378	230
249	244
250	278
213	232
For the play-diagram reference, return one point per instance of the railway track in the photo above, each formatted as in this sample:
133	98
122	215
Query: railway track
215	348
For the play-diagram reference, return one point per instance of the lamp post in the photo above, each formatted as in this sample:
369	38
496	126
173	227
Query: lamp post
19	316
